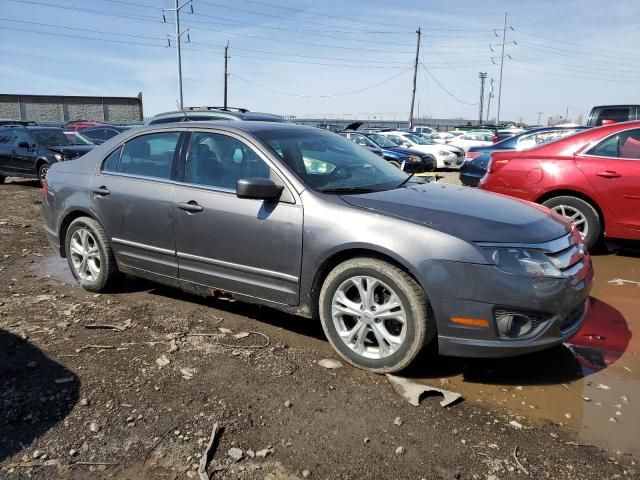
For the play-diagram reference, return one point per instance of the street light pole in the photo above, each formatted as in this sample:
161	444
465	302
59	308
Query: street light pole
483	76
504	37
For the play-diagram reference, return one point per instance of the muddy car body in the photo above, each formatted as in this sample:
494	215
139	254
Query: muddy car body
283	215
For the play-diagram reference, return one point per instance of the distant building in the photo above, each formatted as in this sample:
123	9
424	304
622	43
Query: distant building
56	109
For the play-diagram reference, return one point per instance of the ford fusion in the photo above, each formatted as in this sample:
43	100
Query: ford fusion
308	222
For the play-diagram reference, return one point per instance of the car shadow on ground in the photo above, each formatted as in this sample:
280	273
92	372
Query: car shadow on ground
36	393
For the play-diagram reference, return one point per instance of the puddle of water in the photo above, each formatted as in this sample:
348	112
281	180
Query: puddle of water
56	268
602	362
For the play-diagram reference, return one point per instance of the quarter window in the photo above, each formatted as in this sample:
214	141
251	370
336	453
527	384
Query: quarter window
219	161
623	145
111	162
149	155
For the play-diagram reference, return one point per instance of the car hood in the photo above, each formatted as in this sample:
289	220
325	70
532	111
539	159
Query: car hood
71	151
404	151
467	213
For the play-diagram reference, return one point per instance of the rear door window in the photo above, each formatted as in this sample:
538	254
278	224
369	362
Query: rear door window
149	155
623	145
615	114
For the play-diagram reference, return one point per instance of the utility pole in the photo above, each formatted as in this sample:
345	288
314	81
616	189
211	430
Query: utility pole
504	38
226	73
539	116
178	36
489	99
415	78
566	116
483	76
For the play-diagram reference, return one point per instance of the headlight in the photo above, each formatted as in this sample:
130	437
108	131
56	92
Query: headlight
414	159
58	157
523	262
443	153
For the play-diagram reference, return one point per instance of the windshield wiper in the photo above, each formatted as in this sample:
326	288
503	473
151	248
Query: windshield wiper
348	190
406	179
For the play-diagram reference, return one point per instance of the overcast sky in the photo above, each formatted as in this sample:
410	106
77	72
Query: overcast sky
330	57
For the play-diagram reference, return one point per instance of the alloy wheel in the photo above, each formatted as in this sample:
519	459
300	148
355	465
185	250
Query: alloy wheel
369	317
85	254
575	216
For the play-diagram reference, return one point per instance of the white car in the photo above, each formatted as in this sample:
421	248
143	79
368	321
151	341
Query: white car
446	156
444	137
472	139
423	129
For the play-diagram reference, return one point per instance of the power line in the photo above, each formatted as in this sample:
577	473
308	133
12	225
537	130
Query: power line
582	77
352	92
445	88
570	53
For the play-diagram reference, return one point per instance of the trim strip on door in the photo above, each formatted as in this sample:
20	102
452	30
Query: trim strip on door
242	268
143	246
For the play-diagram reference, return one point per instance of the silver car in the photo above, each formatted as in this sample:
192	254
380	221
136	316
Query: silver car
306	221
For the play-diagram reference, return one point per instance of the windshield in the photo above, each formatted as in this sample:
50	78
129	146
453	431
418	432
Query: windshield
58	137
417	139
330	163
381	141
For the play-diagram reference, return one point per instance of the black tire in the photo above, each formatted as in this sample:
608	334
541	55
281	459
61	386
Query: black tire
2	179
591	216
420	323
108	268
395	163
43	168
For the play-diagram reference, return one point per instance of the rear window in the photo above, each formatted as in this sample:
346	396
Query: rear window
149	155
619	114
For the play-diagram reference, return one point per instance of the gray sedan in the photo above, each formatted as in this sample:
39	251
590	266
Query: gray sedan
308	222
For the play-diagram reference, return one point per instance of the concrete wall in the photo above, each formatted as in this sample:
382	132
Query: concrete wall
61	109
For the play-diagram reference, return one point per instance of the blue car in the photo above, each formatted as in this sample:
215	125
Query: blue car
477	158
404	158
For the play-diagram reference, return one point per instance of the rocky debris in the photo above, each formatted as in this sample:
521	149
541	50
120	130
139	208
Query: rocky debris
329	364
264	452
188	373
306	474
73	453
94	427
411	391
162	361
37	454
224	330
366	440
241	335
235	454
288	404
398	421
400	451
515	424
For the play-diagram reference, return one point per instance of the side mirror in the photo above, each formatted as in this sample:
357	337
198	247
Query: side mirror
258	189
24	145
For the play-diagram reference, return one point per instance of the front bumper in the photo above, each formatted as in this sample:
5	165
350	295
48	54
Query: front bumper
451	161
481	289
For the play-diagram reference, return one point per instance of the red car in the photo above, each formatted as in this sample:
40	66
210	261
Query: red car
77	125
592	178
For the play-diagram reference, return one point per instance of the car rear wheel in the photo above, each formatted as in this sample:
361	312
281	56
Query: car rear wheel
375	315
582	214
89	254
2	179
42	171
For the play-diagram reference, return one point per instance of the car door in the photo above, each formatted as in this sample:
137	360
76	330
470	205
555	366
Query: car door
613	169
246	246
132	195
6	145
21	156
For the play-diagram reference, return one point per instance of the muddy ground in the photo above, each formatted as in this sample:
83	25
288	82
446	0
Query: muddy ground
139	401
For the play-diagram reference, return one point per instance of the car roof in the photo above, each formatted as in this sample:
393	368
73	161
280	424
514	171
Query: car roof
248	126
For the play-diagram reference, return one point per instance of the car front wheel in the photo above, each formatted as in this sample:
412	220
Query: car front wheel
375	315
42	171
583	216
89	254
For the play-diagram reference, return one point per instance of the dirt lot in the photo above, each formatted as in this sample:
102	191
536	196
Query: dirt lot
138	401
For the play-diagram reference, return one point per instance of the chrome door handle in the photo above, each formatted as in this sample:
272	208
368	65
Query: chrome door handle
191	207
102	191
